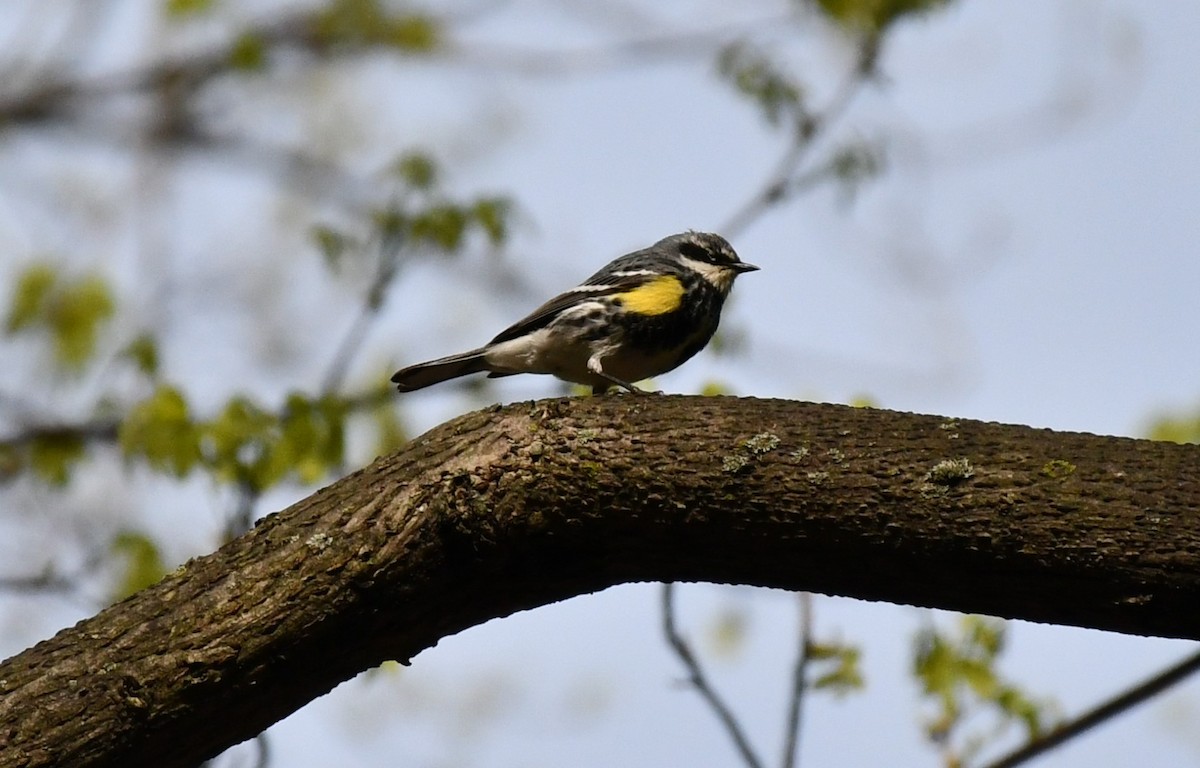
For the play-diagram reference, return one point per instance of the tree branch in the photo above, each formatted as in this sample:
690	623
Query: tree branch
791	733
510	508
1101	713
698	680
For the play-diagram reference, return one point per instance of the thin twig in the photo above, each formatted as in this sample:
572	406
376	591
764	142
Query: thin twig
51	581
700	682
100	431
621	54
791	747
47	581
241	517
1106	711
263	759
373	301
783	182
295	31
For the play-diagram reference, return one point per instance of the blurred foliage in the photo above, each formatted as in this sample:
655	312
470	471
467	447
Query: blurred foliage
369	22
854	164
417	170
836	666
420	216
143	352
715	389
755	75
958	672
160	430
872	17
188	7
52	456
143	563
1177	428
729	629
248	52
245	444
390	434
72	311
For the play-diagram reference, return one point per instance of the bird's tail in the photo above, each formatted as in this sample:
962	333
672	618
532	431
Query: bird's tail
433	372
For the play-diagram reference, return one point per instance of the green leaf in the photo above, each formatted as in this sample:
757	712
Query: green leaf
1178	428
855	164
417	170
52	456
248	445
11	462
333	244
235	444
959	671
440	225
367	22
143	562
75	317
30	294
414	33
728	633
390	222
143	351
838	667
160	430
187	7
73	312
312	438
390	434
874	16
756	76
248	52
492	214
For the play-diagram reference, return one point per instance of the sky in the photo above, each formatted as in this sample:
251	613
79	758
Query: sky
1024	258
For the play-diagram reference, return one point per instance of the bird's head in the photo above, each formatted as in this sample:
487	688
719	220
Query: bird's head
710	255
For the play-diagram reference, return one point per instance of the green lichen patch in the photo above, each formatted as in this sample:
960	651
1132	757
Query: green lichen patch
1056	468
748	450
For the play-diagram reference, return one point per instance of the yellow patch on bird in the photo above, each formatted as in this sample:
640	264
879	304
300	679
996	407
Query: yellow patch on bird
656	297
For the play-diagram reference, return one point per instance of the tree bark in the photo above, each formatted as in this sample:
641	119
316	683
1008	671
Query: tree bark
514	507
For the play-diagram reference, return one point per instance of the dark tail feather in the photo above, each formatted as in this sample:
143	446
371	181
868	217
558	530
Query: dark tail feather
423	375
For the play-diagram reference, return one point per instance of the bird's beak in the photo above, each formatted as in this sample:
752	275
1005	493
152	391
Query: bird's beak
741	267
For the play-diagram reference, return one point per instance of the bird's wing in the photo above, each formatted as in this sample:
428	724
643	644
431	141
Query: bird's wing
608	281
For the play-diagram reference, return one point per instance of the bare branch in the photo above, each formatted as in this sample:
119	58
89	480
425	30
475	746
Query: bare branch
785	181
1102	713
698	680
791	747
387	265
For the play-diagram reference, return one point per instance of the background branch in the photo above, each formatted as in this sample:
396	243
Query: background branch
698	680
1117	705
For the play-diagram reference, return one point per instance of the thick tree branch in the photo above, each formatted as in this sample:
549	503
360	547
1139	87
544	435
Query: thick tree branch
515	507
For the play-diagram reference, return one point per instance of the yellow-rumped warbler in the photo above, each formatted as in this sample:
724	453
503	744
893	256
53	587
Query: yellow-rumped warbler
640	316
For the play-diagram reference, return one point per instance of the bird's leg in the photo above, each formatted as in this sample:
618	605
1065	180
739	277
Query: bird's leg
594	366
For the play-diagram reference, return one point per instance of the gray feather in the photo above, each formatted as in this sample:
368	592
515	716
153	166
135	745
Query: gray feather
433	372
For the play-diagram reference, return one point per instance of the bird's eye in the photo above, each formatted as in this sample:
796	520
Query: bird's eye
695	251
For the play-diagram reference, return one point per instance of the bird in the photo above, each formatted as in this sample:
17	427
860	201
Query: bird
640	316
